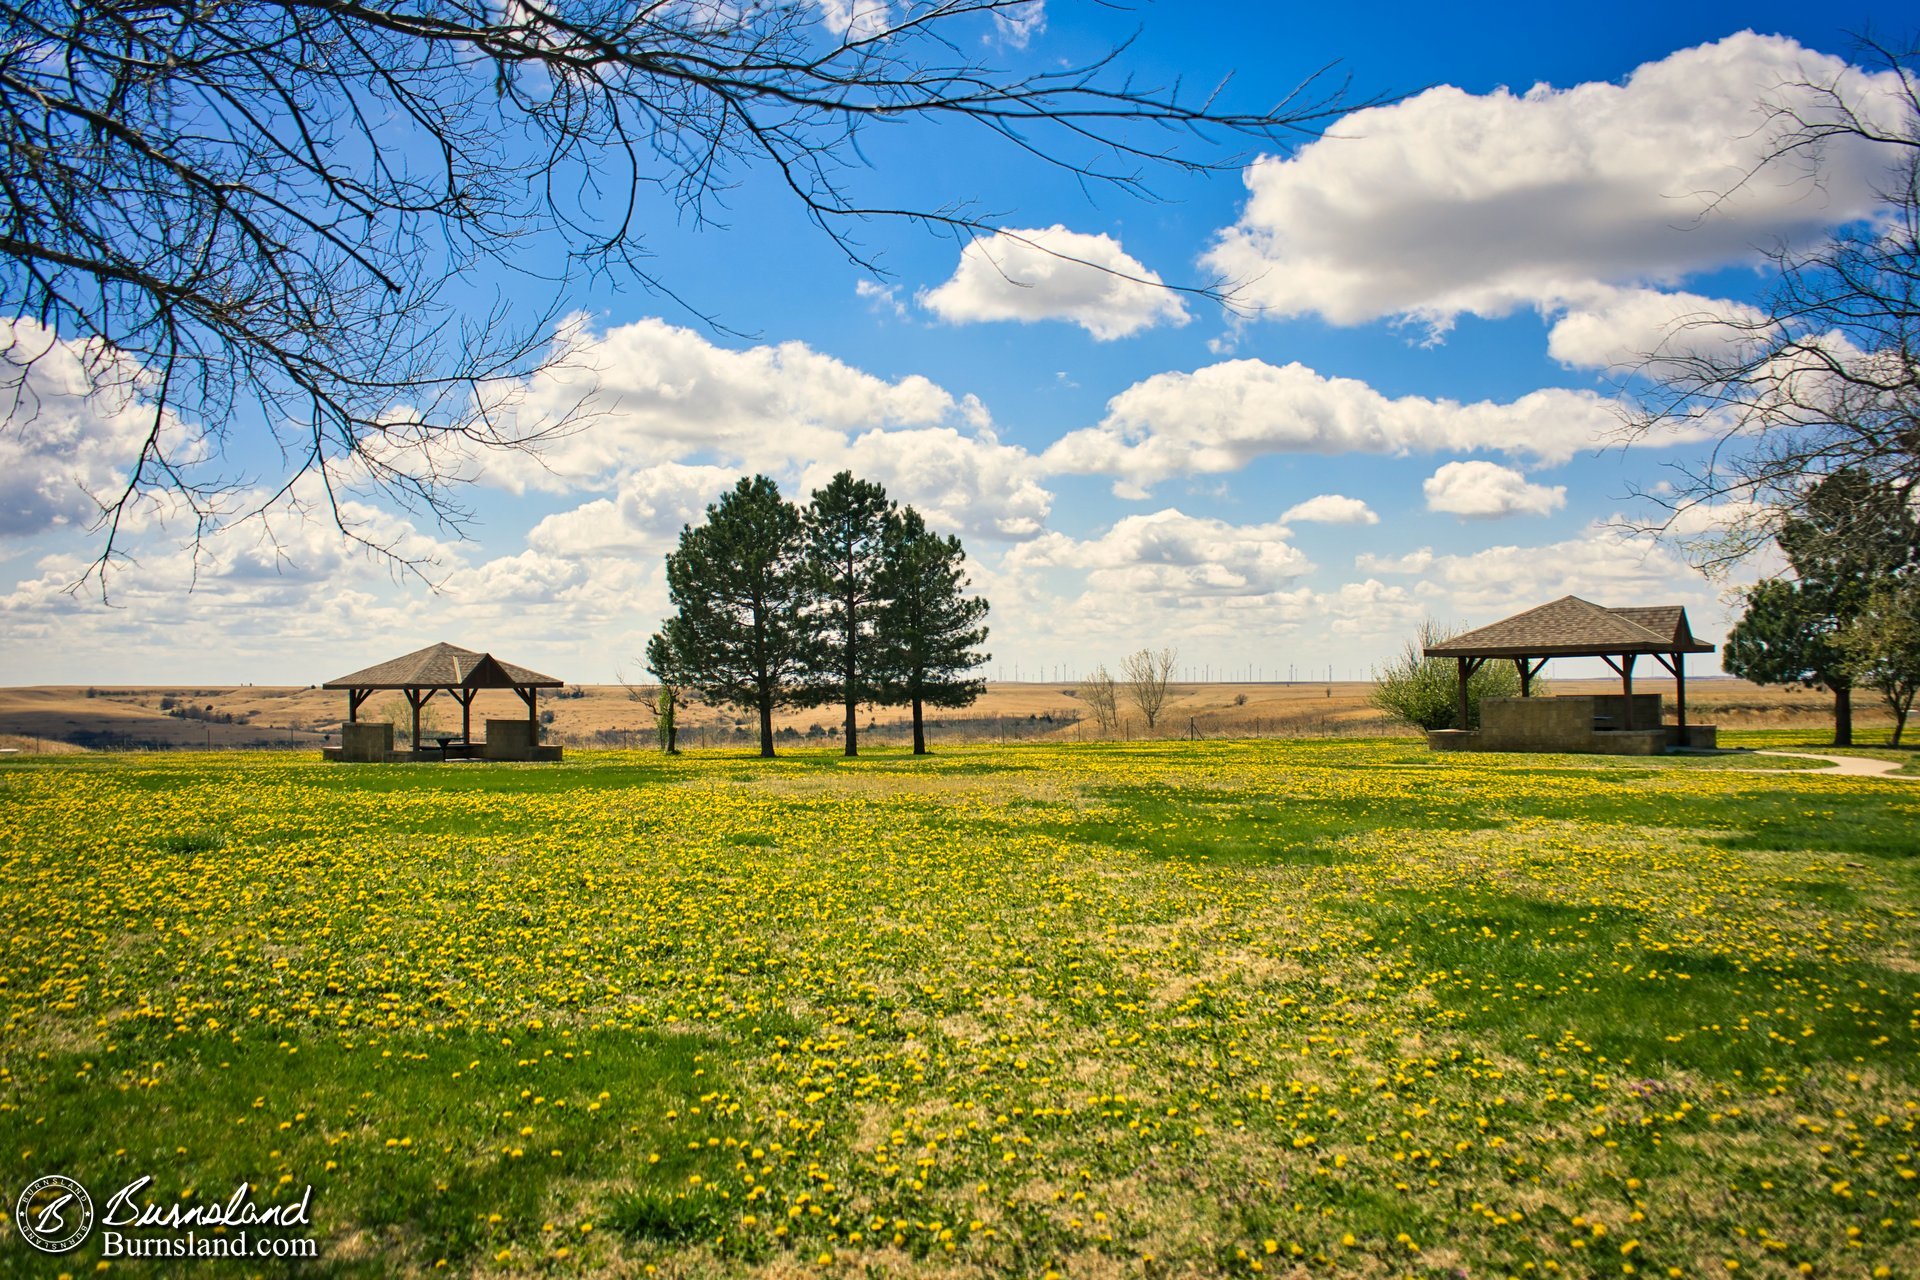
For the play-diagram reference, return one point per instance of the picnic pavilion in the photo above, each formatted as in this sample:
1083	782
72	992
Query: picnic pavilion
459	673
1625	723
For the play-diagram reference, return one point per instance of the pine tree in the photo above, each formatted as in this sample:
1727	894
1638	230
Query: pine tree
1852	534
929	626
1786	637
738	588
845	531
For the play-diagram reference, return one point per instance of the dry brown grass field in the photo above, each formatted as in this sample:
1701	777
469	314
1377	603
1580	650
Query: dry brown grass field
63	718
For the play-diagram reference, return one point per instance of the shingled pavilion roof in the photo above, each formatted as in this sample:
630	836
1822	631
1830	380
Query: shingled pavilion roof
1572	627
461	673
445	666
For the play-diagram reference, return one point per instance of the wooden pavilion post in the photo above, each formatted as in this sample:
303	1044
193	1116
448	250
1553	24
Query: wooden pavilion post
414	700
1526	677
530	695
1460	703
1677	667
466	697
1624	668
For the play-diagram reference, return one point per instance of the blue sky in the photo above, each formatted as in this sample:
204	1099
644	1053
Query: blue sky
1408	418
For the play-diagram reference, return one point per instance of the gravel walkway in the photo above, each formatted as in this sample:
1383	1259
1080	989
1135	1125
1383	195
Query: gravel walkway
1849	766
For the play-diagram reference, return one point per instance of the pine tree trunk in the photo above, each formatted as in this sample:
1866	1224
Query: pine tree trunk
919	729
852	670
1843	716
766	728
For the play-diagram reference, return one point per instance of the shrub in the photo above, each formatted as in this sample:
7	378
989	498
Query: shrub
1423	691
396	712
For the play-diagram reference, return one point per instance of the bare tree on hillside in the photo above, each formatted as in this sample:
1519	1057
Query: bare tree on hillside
1101	695
1146	675
286	220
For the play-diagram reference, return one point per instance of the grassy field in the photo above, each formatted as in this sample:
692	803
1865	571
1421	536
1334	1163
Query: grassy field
1159	1009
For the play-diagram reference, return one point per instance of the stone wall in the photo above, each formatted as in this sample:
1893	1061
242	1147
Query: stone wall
509	740
364	742
1568	724
1611	710
1536	724
514	740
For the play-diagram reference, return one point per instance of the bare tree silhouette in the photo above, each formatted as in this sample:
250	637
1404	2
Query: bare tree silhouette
279	219
1822	377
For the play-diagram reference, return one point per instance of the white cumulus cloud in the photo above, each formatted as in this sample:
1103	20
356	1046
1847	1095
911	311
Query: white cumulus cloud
1412	562
1016	25
62	445
1331	508
650	392
1603	564
966	483
1489	491
644	515
669	420
1621	328
1051	273
1451	202
880	297
1170	555
1372	609
855	20
1221	417
278	589
560	591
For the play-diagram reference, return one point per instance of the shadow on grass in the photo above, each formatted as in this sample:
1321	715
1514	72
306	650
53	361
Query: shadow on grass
1531	970
1239	829
418	1148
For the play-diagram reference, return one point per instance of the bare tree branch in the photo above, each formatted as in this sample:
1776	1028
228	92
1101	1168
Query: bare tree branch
275	215
1825	375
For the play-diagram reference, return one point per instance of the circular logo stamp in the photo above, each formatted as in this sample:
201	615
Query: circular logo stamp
53	1214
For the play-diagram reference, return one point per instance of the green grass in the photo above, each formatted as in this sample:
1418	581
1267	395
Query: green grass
1152	1009
417	1142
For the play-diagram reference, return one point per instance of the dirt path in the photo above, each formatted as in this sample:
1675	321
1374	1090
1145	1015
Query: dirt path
1848	766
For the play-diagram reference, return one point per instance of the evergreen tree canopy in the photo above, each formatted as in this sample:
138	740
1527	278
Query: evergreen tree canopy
1851	534
845	530
1782	638
738	590
930	627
